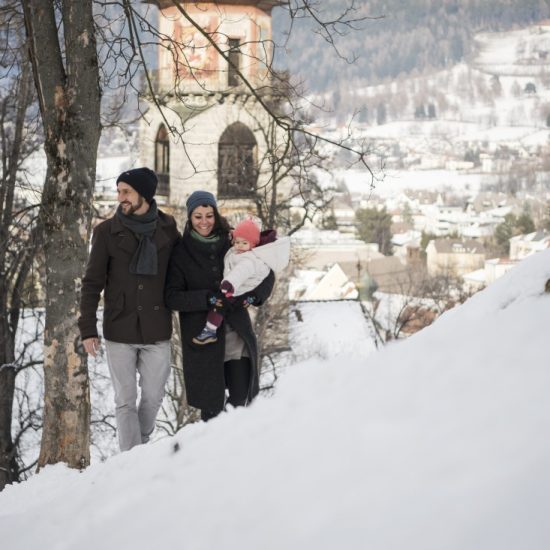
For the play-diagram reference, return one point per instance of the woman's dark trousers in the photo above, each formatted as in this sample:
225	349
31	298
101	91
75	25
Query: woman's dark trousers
237	382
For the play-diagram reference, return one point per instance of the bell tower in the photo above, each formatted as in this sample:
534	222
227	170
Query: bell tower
208	134
241	29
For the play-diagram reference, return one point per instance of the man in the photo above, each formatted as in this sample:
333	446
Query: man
128	260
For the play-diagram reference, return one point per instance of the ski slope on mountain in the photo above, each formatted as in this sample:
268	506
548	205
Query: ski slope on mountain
437	442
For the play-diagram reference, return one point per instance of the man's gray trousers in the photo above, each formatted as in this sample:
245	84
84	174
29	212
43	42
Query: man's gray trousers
135	423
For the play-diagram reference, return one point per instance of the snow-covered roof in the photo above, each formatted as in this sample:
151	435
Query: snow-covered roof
332	284
454	246
535	237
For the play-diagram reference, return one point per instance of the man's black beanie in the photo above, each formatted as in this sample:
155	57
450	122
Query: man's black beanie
143	180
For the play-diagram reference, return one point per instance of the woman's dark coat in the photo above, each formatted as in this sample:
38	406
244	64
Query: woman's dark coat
195	273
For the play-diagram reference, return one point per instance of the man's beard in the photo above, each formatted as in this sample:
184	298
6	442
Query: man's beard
133	208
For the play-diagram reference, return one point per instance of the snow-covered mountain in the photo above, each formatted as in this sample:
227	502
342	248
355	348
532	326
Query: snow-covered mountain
505	84
483	123
395	38
500	94
436	442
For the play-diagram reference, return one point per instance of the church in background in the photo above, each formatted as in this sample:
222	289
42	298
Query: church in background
211	131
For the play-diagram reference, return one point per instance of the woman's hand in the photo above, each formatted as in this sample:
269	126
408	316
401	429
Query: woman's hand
249	299
218	300
215	300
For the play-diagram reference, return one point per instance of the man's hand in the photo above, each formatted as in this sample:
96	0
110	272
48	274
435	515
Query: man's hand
91	345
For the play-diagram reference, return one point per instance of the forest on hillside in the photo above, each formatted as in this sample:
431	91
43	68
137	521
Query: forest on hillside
398	37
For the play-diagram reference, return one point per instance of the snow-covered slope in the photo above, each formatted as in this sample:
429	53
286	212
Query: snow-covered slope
521	52
437	442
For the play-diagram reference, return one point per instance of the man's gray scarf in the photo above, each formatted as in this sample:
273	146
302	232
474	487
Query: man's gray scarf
145	260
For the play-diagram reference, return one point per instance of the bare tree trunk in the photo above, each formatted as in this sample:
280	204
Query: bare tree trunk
67	82
14	266
9	470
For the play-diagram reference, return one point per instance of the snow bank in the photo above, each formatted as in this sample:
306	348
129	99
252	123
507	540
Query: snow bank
437	442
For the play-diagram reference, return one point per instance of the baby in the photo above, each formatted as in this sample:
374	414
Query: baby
246	265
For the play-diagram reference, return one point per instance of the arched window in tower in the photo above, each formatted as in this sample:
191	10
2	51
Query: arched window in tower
162	161
237	162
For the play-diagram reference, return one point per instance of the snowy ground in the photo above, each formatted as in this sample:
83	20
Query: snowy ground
395	182
330	330
437	442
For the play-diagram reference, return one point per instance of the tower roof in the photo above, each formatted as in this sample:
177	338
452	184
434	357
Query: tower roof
266	5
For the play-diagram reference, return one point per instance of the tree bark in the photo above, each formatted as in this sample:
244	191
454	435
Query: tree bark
66	77
9	469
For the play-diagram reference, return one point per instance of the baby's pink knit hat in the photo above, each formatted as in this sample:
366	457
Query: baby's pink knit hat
247	230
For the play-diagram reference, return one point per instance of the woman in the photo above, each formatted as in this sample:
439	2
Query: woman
192	288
